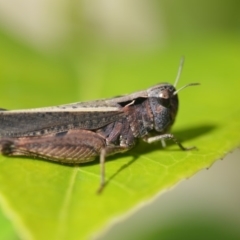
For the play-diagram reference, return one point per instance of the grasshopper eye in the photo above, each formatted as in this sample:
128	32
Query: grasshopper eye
164	99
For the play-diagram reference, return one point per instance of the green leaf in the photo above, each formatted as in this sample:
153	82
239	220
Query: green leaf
7	232
53	201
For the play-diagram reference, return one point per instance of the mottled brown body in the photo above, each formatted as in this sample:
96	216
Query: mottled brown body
69	143
76	137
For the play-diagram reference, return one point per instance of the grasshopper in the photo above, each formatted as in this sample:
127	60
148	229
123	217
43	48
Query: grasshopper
79	132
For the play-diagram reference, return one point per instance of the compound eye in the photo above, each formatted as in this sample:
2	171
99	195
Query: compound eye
165	102
164	99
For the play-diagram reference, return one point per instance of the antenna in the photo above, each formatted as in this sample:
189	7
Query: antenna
188	85
179	71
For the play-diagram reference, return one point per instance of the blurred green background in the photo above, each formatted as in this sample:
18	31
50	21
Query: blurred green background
107	48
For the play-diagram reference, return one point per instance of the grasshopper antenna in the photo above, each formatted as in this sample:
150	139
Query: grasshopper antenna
188	85
178	76
179	71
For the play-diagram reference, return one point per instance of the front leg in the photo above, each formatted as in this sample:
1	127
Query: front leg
167	136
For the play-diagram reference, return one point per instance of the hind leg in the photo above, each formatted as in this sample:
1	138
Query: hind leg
73	146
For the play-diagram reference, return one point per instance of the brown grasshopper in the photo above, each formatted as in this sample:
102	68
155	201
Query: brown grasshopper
79	132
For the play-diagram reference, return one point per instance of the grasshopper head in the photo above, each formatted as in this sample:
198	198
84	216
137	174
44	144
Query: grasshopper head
163	100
